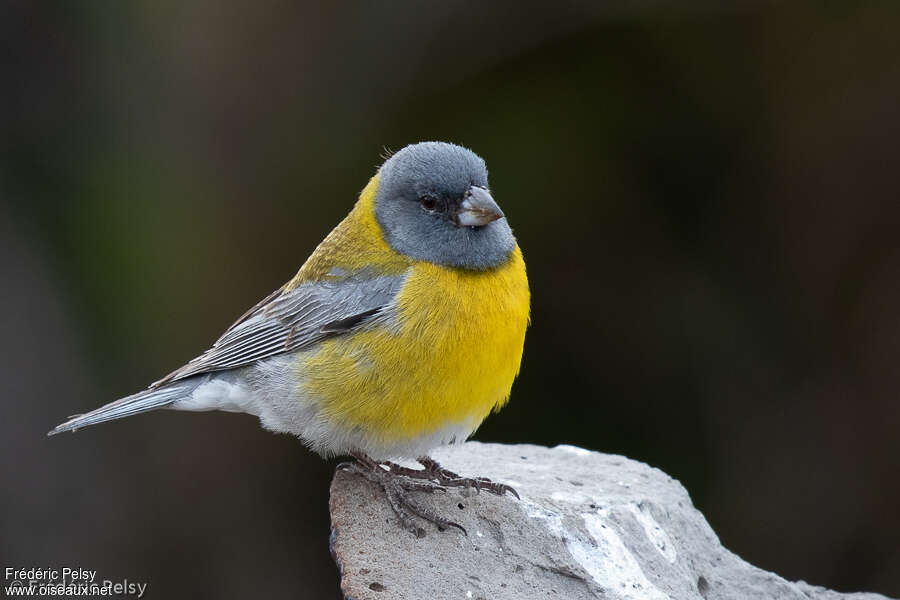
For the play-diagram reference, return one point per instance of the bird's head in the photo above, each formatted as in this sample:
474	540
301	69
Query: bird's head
433	204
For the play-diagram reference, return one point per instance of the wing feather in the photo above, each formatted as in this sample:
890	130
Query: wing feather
289	320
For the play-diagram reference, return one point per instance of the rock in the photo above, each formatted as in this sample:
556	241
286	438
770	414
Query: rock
588	525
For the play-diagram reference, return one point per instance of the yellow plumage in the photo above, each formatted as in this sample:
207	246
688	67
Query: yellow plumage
355	244
449	359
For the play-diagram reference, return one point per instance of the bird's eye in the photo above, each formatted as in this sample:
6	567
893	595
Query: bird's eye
428	202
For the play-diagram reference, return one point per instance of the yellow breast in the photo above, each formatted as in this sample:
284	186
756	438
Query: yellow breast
449	358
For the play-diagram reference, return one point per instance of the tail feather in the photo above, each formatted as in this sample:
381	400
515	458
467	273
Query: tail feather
144	401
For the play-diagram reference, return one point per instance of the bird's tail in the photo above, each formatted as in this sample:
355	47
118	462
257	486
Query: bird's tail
144	401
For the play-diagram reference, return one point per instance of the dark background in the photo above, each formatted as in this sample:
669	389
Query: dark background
708	201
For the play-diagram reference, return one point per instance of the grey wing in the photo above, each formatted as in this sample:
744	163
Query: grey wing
295	319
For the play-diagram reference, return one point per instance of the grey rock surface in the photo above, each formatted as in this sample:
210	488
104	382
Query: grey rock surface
588	525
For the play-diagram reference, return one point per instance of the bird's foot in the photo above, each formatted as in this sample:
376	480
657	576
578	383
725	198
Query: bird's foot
396	487
434	472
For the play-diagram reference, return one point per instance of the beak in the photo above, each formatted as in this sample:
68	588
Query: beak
478	208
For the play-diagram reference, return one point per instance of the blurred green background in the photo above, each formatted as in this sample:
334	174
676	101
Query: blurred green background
708	200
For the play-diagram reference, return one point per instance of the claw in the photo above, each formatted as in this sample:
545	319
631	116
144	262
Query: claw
435	472
458	526
397	481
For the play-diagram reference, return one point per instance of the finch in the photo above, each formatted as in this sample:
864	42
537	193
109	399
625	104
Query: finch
401	332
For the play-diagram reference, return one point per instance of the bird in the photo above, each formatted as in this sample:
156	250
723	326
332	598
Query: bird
401	333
